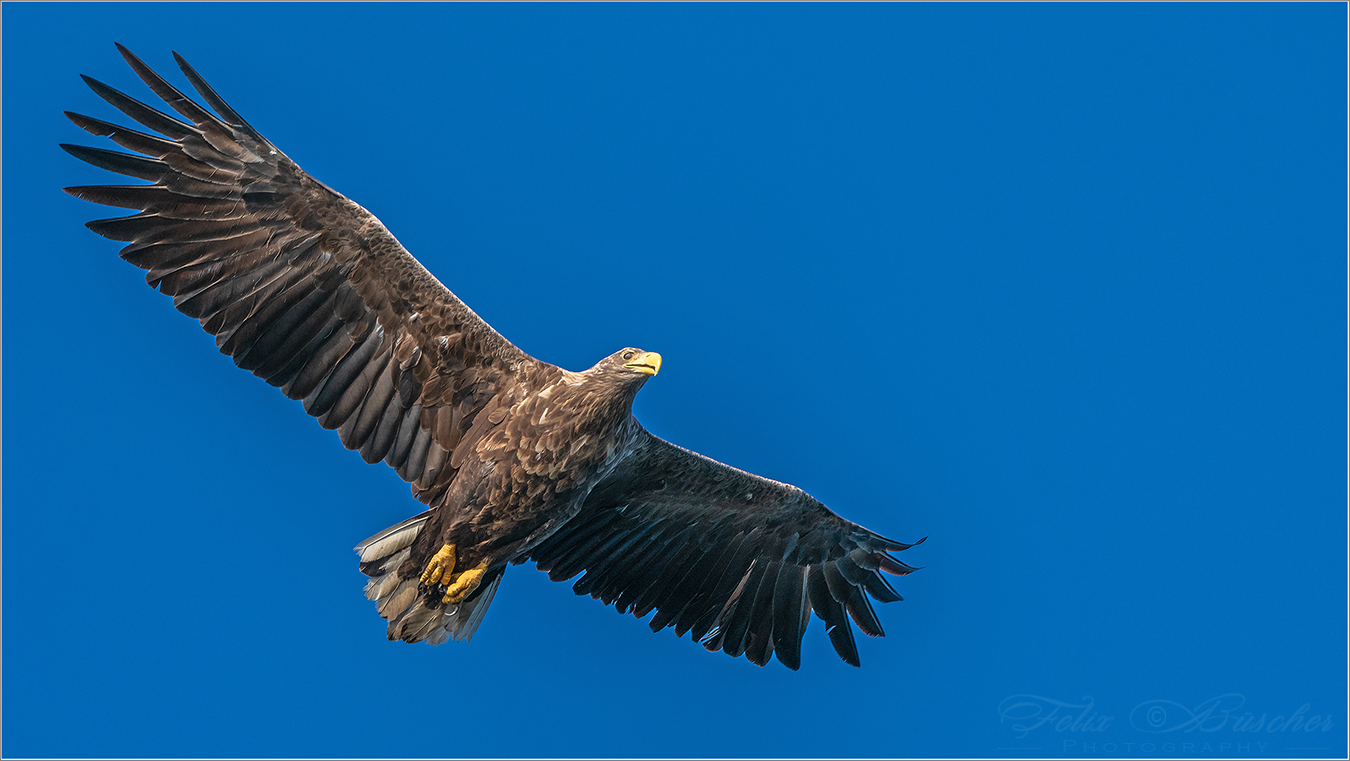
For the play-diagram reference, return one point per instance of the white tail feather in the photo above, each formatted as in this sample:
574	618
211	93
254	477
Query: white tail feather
471	613
395	604
392	539
380	587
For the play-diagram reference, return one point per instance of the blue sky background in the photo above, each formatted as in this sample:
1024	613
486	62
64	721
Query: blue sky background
1061	286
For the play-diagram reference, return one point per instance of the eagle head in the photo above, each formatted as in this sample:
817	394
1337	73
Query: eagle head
629	364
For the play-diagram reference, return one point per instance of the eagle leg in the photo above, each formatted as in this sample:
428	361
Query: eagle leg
440	567
440	571
464	584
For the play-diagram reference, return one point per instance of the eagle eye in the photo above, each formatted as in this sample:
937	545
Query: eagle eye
628	355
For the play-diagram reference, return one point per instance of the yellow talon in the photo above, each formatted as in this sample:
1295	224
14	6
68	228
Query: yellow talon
465	584
441	570
441	566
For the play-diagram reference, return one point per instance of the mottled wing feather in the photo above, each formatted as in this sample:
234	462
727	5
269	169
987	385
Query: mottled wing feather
298	284
736	560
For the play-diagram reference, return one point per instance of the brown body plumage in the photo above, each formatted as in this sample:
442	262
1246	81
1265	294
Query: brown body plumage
516	458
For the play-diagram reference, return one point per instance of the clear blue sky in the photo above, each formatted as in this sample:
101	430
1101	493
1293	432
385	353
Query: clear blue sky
1060	286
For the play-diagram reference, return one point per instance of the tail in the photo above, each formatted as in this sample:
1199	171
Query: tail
416	617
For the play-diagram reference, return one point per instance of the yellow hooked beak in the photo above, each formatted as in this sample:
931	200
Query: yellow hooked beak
647	363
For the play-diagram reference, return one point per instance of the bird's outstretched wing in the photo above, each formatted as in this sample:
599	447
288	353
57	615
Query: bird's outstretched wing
299	285
737	560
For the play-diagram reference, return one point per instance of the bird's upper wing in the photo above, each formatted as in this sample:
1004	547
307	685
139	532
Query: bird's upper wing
299	285
738	560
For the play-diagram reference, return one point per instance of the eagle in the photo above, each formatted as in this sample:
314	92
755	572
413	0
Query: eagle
516	459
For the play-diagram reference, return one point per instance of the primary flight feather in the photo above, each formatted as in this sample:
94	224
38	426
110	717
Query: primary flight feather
517	459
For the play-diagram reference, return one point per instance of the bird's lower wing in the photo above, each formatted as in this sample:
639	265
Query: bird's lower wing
737	560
